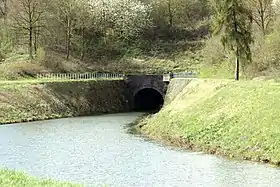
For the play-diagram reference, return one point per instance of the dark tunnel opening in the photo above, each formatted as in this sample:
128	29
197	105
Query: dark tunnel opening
148	100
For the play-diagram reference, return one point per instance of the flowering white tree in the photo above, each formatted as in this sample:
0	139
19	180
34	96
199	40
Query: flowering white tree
126	18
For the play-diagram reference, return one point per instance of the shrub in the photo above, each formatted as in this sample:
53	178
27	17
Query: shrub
18	70
41	54
217	61
6	45
266	52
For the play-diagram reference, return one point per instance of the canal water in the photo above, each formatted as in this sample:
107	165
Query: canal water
98	150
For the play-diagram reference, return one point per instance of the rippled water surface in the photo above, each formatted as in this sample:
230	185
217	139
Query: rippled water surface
94	150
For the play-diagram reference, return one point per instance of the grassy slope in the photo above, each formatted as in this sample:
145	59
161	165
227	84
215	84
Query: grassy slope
161	58
176	56
28	101
16	179
237	119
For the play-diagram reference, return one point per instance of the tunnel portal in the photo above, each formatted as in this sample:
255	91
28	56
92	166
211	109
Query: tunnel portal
148	100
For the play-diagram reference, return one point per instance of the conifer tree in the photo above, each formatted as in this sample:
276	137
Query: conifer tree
233	20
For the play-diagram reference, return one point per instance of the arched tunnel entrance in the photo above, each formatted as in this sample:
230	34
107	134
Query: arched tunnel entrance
148	100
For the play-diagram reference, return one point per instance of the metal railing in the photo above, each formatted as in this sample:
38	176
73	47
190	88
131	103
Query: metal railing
190	74
79	76
181	75
93	76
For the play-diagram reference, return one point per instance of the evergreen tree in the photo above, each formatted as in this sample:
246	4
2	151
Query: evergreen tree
233	20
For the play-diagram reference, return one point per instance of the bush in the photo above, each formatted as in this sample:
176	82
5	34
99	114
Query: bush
266	52
217	61
214	52
56	62
16	70
224	70
41	54
6	45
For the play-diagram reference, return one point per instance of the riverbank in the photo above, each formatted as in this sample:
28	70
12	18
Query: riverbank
31	101
10	178
223	117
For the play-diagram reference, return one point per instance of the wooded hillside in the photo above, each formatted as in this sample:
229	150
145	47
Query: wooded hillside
128	36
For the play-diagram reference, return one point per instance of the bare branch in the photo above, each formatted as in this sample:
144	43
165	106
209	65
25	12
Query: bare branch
263	13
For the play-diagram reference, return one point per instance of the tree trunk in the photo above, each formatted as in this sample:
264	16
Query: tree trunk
83	44
68	38
30	33
170	14
237	65
30	42
262	15
103	18
237	48
36	34
5	11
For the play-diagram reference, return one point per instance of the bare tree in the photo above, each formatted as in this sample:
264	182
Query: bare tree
263	13
66	14
27	19
83	25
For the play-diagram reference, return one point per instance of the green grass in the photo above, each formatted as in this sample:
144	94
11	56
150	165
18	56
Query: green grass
23	101
10	178
236	119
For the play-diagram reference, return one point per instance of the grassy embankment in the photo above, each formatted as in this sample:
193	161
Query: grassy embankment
23	101
17	179
235	119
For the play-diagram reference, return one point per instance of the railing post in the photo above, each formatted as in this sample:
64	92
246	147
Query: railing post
98	76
